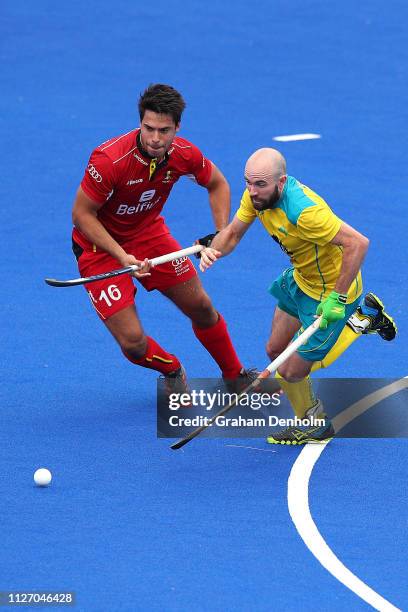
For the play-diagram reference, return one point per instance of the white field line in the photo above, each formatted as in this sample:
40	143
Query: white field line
298	501
293	137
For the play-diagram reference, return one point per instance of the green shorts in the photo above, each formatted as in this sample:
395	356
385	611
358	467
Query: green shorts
292	300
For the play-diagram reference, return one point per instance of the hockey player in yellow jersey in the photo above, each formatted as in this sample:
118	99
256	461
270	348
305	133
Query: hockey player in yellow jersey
326	255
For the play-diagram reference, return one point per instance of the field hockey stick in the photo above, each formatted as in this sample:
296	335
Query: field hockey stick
274	365
156	261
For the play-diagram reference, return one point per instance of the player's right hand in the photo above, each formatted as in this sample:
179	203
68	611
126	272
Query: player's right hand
205	242
208	257
130	260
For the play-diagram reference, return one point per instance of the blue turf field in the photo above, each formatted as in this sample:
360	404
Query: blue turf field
128	524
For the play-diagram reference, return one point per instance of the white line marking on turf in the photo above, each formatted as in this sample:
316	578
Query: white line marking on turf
298	501
264	450
292	137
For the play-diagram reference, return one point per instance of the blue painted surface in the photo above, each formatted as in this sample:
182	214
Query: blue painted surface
128	524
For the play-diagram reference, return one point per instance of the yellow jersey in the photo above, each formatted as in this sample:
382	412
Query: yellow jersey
303	225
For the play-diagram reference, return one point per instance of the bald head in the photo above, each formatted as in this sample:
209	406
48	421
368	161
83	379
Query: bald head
266	163
265	177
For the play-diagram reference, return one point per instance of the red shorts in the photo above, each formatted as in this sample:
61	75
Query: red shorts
113	294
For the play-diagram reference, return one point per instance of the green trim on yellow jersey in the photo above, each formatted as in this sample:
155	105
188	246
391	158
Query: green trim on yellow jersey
303	225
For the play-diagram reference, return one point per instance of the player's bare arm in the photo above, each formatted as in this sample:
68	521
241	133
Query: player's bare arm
223	243
220	198
84	217
354	247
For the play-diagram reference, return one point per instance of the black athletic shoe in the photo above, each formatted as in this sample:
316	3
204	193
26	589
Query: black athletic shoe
371	318
303	434
176	382
246	377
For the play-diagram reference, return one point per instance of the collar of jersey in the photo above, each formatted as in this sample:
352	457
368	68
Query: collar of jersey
143	151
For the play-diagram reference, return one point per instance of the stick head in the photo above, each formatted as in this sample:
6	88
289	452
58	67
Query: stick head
179	444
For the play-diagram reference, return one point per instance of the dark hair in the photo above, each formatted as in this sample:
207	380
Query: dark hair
162	99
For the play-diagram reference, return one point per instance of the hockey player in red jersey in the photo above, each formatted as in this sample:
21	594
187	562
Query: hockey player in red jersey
117	220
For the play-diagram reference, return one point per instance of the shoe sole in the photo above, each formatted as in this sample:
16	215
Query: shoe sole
299	442
381	308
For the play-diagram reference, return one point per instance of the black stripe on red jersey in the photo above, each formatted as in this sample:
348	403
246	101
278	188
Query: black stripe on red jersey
77	250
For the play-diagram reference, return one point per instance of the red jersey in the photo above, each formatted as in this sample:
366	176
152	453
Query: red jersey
132	189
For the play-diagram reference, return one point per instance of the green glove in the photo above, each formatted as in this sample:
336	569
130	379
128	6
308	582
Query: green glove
332	309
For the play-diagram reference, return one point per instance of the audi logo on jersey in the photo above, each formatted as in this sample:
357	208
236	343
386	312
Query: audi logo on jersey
179	261
94	173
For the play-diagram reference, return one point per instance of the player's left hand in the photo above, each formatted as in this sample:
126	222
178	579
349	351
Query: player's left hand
208	257
332	309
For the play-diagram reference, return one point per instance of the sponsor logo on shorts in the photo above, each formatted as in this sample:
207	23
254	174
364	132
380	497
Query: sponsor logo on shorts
94	173
181	265
178	262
